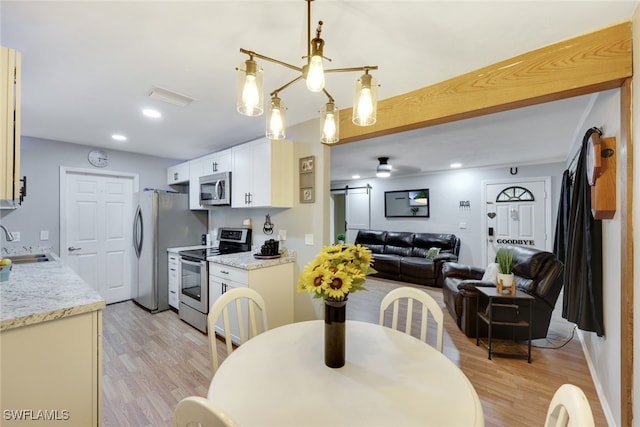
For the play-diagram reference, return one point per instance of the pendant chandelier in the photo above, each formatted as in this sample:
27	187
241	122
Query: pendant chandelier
250	101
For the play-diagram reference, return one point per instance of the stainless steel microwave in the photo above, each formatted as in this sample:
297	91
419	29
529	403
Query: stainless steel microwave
215	190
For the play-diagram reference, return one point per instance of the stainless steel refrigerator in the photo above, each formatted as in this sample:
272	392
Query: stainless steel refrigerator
162	220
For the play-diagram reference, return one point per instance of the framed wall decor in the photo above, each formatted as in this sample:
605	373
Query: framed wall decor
307	179
407	203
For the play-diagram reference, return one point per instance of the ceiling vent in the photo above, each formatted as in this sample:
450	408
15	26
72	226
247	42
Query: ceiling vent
170	97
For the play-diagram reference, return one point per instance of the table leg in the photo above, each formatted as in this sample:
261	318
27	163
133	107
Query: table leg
490	324
477	320
530	319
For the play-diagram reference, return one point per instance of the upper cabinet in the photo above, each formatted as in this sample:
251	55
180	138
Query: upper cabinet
207	165
10	190
262	174
178	174
216	162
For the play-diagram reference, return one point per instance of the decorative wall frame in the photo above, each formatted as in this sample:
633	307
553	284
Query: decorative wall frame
307	179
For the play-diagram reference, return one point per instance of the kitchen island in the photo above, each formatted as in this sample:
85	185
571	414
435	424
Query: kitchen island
50	347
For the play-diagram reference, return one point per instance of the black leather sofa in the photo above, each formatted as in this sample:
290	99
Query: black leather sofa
537	273
402	255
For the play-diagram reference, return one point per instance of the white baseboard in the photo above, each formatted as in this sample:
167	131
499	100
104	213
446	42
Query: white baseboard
606	408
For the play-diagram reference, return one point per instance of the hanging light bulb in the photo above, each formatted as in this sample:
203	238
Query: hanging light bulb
276	119
249	93
329	120
315	70
365	102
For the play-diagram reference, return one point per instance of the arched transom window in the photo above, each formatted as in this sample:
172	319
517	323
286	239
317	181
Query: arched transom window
515	194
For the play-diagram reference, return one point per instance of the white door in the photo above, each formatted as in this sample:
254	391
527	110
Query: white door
96	224
357	211
517	212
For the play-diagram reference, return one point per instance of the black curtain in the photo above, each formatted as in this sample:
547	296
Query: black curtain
582	301
562	222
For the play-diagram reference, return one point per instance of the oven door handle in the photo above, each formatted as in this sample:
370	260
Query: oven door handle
195	263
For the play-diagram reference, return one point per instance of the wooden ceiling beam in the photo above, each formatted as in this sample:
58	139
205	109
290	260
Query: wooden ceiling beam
589	63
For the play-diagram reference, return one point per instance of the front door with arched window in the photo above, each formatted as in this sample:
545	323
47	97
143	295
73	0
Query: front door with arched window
517	212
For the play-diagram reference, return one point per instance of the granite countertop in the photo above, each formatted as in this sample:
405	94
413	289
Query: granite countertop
44	291
247	261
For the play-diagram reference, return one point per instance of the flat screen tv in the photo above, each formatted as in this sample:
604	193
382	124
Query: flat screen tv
406	203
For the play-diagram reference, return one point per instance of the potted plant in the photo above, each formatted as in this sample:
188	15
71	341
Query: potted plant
341	238
505	280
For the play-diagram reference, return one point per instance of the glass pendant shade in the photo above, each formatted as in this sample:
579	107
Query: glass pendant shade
329	123
249	93
315	75
276	119
315	71
365	101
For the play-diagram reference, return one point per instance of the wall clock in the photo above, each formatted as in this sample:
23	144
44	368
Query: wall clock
99	158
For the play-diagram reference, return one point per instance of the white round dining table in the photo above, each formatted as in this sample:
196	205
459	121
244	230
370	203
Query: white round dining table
279	378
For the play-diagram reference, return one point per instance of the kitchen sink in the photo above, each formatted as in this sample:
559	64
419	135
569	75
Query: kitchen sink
30	258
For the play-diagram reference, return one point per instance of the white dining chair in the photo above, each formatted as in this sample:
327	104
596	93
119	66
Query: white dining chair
250	318
569	407
194	411
429	305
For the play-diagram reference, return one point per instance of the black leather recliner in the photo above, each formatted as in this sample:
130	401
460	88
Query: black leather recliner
538	273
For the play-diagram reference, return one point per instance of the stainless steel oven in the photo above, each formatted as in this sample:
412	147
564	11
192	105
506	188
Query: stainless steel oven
194	292
194	280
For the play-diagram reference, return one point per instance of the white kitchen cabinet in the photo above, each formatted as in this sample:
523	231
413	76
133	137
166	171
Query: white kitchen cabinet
262	174
219	161
175	273
10	61
207	165
273	283
178	174
54	365
221	280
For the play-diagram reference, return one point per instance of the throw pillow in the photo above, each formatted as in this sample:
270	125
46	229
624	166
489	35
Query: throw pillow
432	252
491	273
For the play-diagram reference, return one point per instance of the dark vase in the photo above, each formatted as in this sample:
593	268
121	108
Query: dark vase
334	333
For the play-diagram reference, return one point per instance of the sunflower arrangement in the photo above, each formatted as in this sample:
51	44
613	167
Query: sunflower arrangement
337	271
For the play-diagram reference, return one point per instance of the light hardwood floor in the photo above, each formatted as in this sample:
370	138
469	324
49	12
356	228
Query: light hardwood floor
152	361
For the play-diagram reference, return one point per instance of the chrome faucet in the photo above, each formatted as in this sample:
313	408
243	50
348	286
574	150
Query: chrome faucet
7	233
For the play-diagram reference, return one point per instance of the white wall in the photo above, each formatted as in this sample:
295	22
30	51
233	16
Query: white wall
446	190
302	219
41	160
603	353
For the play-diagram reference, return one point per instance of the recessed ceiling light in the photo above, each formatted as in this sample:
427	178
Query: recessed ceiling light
455	165
118	137
154	114
355	176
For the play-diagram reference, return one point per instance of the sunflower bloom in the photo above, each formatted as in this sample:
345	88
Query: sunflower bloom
337	271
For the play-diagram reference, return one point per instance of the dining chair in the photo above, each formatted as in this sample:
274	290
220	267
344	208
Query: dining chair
250	319
429	305
569	407
196	411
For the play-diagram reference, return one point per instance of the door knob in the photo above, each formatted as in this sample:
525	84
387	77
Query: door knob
71	249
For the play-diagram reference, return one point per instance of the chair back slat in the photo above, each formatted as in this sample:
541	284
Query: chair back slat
569	407
250	322
428	306
198	411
